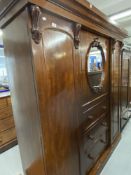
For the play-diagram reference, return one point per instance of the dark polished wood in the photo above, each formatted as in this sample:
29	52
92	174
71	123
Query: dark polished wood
77	30
129	95
63	126
23	92
93	107
35	15
96	170
124	88
78	11
5	6
54	71
115	88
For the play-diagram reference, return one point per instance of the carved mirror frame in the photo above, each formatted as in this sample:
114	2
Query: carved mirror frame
98	45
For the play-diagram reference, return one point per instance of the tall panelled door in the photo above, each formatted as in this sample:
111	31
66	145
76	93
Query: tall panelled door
124	88
54	67
115	89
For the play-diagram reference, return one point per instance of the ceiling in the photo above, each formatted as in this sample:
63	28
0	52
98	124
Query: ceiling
111	7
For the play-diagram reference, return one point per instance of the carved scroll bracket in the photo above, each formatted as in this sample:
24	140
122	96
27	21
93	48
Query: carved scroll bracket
76	35
96	43
116	43
35	17
121	46
113	42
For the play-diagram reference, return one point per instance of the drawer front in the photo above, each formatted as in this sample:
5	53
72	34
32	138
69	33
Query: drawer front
93	143
95	113
3	103
9	101
85	126
6	124
7	136
6	112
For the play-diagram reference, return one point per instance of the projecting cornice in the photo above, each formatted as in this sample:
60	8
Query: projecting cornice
79	11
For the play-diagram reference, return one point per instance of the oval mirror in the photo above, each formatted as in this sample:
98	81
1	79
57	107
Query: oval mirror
95	66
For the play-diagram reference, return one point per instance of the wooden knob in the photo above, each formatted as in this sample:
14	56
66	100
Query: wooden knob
104	107
96	140
1	140
90	117
91	137
104	123
103	141
90	157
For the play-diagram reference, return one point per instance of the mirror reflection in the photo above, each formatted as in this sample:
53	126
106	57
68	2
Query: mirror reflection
95	68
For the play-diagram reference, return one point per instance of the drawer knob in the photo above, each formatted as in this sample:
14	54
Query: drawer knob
90	157
103	141
104	107
96	140
90	117
91	137
1	140
104	124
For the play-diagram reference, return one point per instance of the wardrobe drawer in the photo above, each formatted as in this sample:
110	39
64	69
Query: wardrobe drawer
94	142
95	113
3	103
6	124
6	112
7	136
9	101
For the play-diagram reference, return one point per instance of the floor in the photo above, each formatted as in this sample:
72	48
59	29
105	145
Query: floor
10	162
120	161
118	164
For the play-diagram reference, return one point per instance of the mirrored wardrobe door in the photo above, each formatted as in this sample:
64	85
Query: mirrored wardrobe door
95	66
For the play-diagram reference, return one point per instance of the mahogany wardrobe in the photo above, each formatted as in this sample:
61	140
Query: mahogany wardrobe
63	59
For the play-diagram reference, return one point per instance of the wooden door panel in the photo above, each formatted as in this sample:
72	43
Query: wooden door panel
124	81
115	90
85	92
56	91
93	143
59	129
87	98
124	88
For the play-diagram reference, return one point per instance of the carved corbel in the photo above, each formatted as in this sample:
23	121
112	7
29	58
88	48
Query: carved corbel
121	45
96	43
117	43
35	18
76	35
113	42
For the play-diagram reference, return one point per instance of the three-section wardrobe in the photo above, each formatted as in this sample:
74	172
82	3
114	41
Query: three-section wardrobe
64	60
